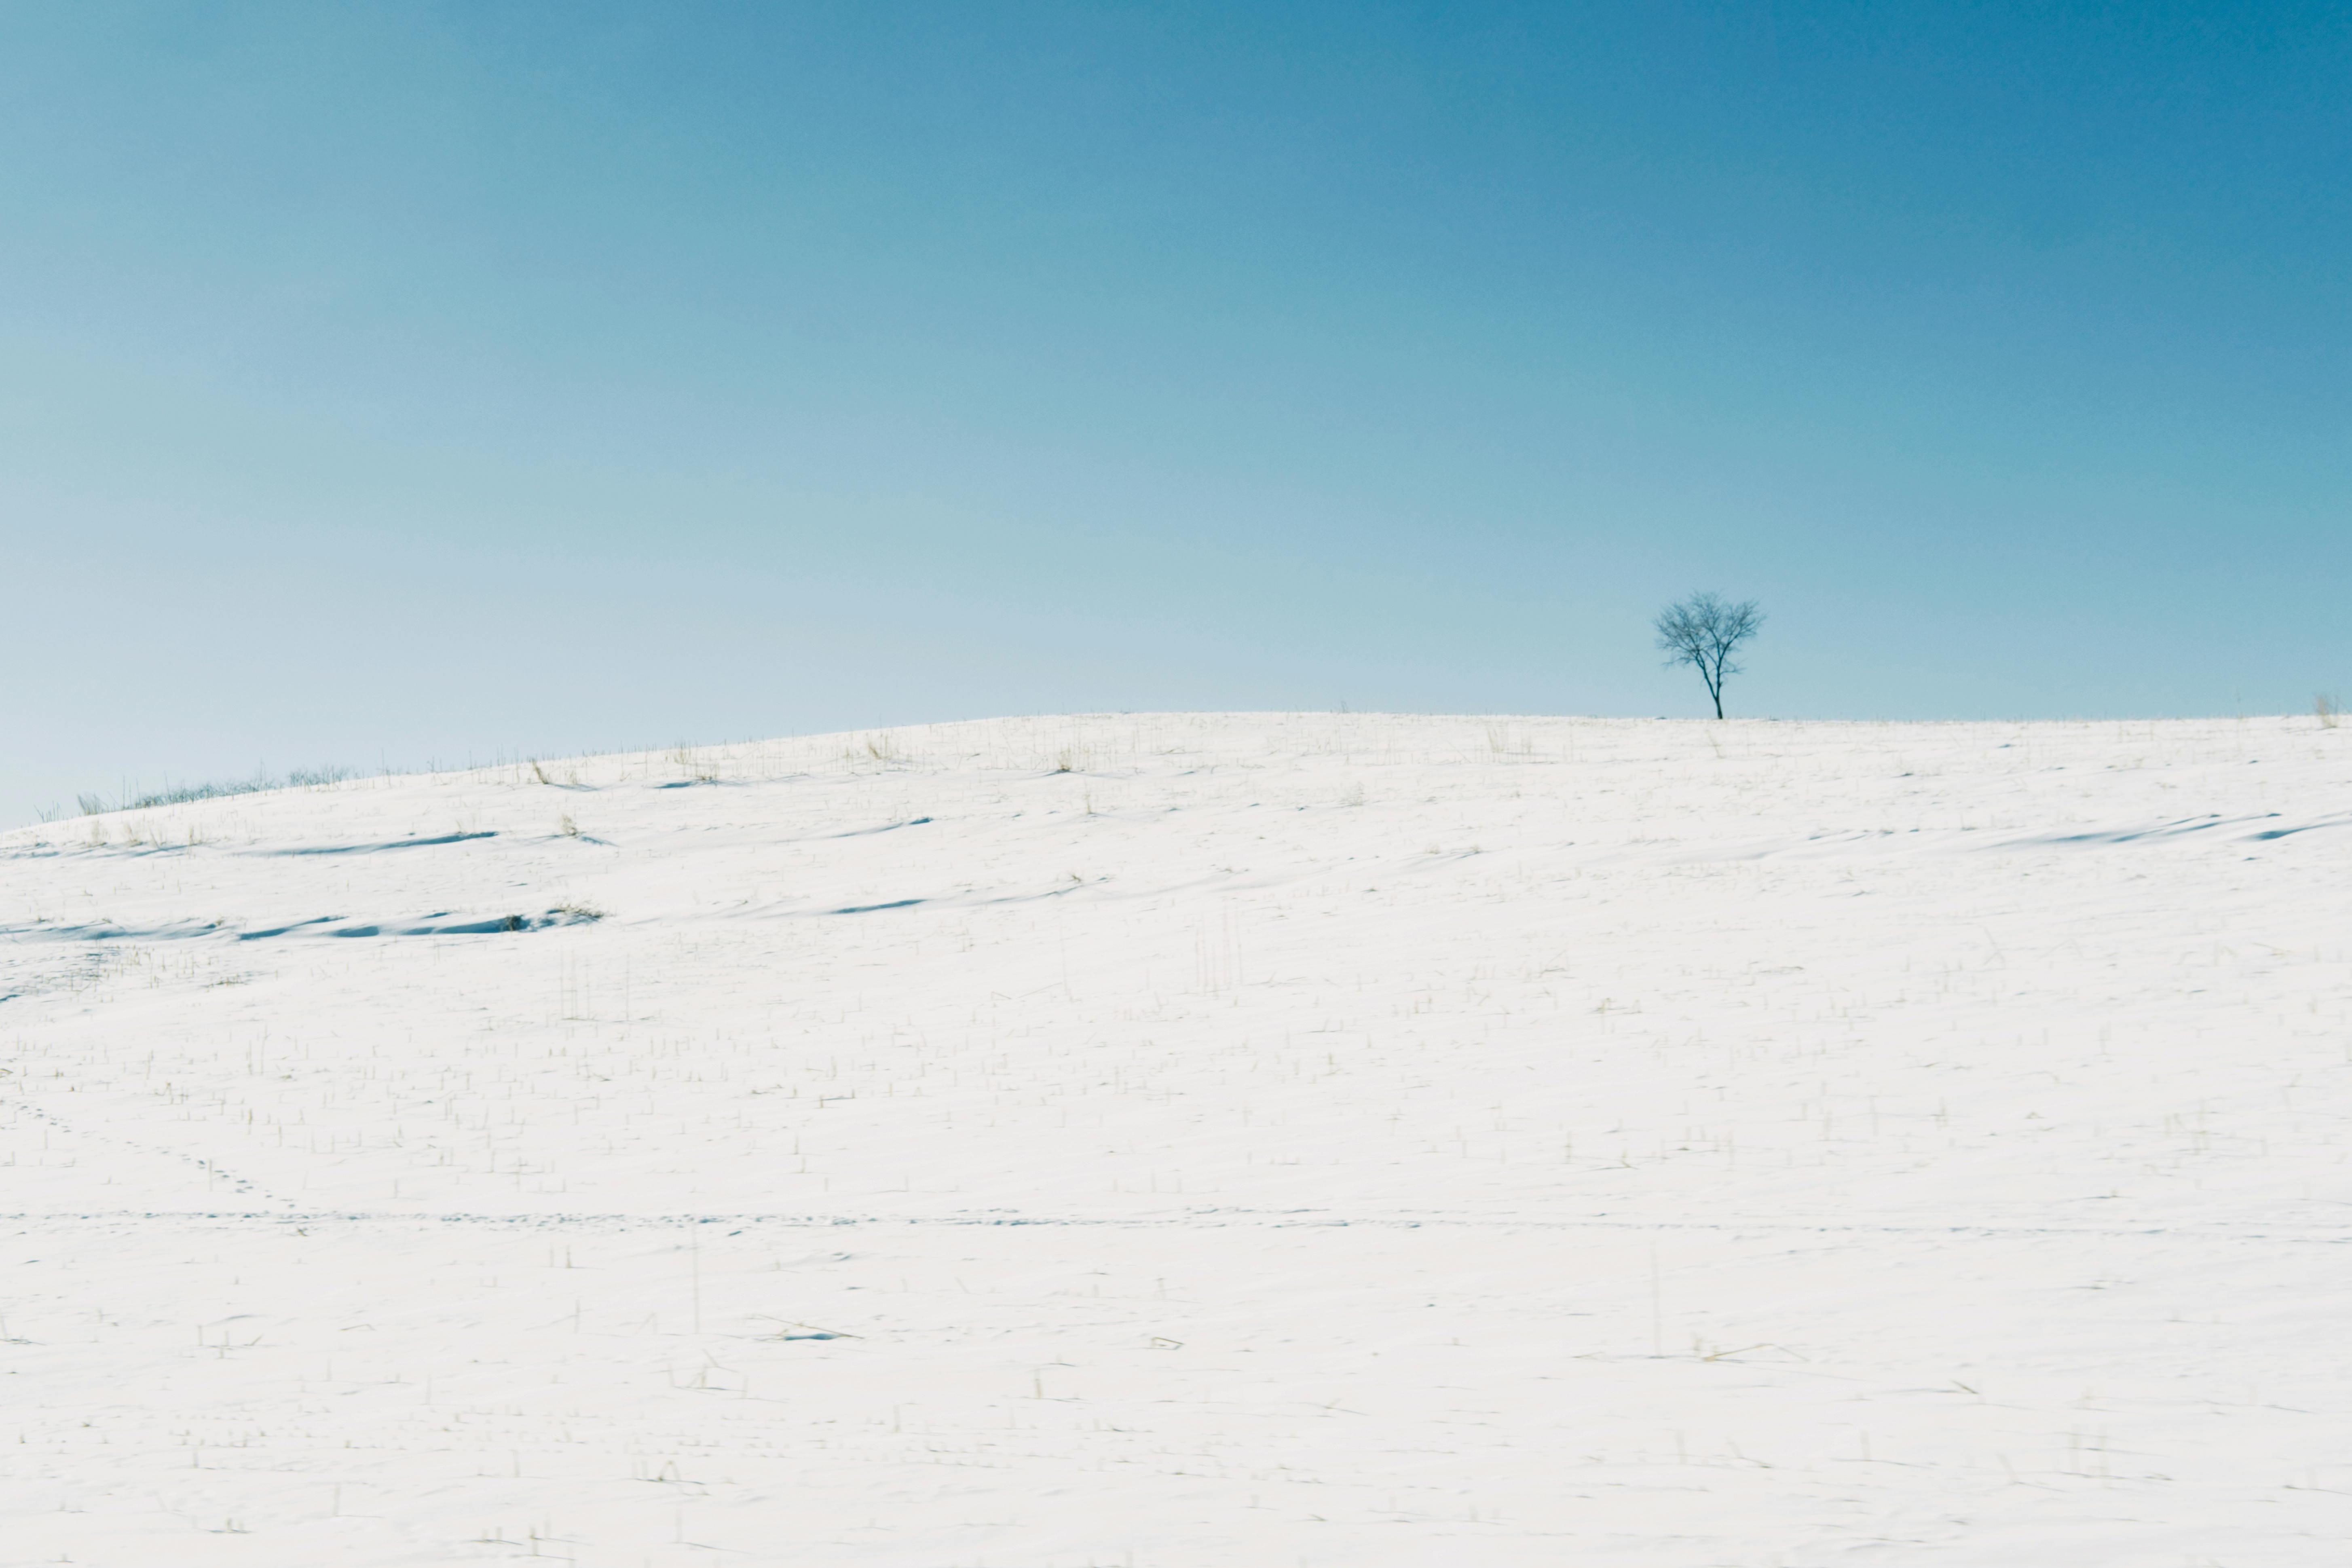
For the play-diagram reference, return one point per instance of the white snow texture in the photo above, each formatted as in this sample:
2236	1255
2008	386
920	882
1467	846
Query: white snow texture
1177	1140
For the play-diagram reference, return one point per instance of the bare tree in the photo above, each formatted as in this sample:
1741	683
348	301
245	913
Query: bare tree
1705	632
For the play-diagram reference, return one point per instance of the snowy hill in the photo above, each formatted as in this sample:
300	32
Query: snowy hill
1176	1140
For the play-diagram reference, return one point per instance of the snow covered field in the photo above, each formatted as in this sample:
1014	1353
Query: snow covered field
1186	1140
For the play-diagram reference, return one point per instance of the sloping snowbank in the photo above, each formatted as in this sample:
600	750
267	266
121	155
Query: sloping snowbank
1183	1139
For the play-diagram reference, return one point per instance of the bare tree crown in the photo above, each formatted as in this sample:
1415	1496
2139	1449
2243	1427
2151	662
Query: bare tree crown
1704	631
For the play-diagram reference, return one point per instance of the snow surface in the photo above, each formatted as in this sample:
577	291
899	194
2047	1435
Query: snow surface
1167	1140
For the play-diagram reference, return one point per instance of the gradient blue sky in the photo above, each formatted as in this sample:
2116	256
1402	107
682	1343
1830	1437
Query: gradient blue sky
386	383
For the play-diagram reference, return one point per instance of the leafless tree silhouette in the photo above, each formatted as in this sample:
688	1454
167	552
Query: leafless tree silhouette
1705	632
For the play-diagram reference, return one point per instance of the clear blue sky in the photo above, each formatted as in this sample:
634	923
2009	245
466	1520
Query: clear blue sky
384	384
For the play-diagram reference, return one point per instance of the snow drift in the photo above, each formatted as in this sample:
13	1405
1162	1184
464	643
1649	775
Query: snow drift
1184	1139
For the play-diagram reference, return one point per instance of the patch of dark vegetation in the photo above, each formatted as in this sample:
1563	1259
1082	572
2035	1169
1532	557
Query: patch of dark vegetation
180	795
